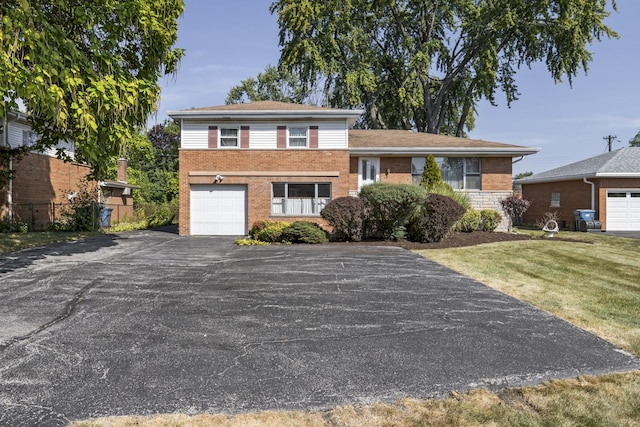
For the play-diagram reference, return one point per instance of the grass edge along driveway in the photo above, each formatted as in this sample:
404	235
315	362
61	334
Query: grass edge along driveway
591	282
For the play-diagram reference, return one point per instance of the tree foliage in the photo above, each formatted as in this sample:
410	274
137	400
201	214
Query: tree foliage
271	85
86	71
635	141
431	175
424	65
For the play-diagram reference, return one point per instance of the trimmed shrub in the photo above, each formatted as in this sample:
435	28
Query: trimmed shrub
389	207
514	207
469	222
490	219
434	219
304	232
268	231
346	216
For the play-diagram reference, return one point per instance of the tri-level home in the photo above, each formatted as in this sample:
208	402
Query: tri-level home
243	163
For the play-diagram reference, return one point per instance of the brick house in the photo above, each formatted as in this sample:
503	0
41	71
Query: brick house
270	160
609	184
40	185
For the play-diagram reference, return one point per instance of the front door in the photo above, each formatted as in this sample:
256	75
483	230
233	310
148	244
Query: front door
368	171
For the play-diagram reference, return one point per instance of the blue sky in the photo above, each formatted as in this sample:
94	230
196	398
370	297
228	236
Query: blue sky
228	41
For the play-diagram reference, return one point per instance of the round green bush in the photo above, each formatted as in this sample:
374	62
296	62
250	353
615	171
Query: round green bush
490	219
469	222
304	232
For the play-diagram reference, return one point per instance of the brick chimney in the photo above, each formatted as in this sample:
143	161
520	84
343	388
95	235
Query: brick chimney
122	170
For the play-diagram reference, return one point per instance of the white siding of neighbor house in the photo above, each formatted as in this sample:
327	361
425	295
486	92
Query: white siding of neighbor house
15	130
264	136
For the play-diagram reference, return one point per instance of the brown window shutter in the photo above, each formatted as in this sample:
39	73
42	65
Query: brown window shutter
244	136
282	137
213	137
313	136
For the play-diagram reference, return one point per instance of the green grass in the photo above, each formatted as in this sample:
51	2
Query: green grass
592	281
10	242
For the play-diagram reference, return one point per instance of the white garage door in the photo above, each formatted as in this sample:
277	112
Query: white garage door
219	210
623	210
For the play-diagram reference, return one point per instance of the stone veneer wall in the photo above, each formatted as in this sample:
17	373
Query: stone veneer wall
491	200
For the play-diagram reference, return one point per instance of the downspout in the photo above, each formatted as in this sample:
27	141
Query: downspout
593	193
5	143
516	161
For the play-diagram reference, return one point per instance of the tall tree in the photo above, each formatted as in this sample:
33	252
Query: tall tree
270	85
86	71
424	65
635	141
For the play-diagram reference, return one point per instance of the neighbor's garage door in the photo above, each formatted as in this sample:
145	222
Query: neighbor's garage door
219	210
623	210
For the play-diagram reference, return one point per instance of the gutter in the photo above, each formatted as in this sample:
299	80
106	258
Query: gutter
459	151
593	193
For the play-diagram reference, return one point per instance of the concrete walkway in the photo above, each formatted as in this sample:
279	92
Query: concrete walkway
150	322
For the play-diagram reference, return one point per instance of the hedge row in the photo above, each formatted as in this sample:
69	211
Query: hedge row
393	212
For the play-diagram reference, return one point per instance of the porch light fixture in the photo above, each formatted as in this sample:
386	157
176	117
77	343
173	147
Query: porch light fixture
388	171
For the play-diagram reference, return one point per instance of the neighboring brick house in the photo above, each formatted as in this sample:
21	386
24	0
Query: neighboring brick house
609	184
270	160
41	183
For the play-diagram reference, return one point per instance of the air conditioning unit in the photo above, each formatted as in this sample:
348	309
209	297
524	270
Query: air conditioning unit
126	191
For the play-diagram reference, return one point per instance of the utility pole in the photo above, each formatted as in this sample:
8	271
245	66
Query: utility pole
609	139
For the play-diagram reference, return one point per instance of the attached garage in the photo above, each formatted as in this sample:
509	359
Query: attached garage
623	210
218	210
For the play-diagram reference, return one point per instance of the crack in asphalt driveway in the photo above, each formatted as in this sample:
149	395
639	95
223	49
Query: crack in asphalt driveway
69	309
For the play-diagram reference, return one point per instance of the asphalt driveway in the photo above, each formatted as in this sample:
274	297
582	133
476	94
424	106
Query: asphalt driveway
150	322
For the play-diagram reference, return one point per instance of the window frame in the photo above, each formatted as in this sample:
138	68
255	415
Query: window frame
298	137
317	201
220	137
29	138
416	173
554	199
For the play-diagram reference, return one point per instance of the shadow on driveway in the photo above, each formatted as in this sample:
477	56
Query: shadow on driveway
197	324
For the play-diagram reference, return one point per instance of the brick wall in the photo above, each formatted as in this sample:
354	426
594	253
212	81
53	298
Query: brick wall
39	182
258	169
573	195
496	174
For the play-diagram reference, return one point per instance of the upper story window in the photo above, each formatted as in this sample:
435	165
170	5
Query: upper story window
29	138
229	137
461	173
298	137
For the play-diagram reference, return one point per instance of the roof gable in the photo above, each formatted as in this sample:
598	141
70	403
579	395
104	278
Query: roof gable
621	163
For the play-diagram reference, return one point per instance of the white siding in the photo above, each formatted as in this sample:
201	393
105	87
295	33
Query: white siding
332	135
194	134
264	136
15	131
